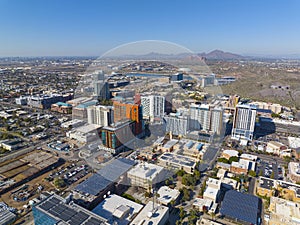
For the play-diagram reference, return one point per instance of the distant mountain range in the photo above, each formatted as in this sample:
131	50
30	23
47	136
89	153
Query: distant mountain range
218	54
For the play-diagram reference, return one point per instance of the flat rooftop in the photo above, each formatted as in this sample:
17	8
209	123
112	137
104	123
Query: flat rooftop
116	209
151	216
166	194
170	143
145	170
105	176
67	214
178	159
87	128
284	211
244	207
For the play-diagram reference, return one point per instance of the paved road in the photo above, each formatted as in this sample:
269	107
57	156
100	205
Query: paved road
252	185
209	157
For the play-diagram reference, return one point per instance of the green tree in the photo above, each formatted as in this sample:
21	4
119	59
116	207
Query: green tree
192	217
275	115
182	213
186	194
223	160
172	202
197	174
252	173
59	183
189	180
233	159
180	173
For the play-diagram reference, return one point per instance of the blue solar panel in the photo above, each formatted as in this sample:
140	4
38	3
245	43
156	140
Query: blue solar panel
243	207
93	185
189	144
116	168
105	176
199	146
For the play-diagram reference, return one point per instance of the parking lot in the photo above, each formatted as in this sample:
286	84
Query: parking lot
71	173
270	170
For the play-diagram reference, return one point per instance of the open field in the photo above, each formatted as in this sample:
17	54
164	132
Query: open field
256	82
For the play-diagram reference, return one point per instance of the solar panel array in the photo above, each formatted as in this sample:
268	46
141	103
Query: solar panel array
243	207
53	206
105	176
116	168
93	185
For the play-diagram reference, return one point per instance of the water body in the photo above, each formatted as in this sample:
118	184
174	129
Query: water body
146	75
185	77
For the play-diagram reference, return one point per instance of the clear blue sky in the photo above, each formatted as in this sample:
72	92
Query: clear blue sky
84	27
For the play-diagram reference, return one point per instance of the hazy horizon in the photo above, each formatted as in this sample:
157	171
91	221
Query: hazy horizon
90	28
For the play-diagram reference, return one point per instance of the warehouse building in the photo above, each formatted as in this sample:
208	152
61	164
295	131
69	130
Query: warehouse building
243	208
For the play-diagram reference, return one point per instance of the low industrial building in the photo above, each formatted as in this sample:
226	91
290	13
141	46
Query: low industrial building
84	134
229	183
176	161
194	149
152	213
249	157
145	175
45	101
284	212
117	210
230	153
167	195
213	183
92	191
242	208
72	123
11	145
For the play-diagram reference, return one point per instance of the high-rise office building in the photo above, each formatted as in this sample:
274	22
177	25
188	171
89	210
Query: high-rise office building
177	124
153	106
244	122
101	87
129	111
200	116
101	90
100	115
208	118
116	136
98	75
216	121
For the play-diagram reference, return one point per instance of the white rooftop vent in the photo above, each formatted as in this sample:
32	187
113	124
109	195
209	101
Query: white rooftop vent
149	214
